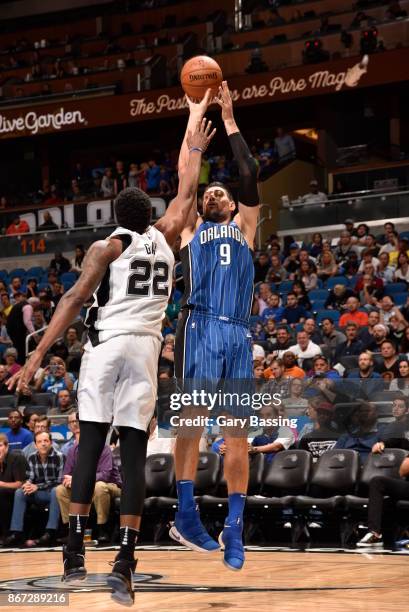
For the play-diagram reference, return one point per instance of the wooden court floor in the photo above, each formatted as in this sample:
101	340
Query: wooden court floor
180	580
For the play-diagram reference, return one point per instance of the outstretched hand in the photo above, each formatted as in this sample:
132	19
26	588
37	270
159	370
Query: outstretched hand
225	100
202	135
21	379
199	108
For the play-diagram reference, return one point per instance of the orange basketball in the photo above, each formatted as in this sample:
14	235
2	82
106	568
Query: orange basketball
198	74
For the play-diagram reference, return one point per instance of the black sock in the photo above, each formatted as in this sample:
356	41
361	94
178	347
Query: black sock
77	525
127	539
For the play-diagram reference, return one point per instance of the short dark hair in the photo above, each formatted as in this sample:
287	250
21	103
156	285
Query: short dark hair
133	209
39	434
222	186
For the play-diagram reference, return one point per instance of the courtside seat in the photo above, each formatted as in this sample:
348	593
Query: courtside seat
160	478
334	476
286	476
219	503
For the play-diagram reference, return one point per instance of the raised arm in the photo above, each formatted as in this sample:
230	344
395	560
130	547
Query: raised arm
177	213
248	192
96	262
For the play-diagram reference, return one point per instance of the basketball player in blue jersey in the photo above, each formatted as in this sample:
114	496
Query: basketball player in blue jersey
213	340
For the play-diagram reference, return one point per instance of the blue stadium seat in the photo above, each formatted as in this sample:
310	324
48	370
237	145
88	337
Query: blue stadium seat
404	234
67	285
400	298
334	315
320	284
44	278
285	286
4	275
68	277
20	272
337	280
318	305
393	288
317	295
42	286
35	271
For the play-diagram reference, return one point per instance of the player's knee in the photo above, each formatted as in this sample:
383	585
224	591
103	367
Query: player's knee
100	488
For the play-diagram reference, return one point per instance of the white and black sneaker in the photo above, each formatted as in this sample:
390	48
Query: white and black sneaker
121	581
370	540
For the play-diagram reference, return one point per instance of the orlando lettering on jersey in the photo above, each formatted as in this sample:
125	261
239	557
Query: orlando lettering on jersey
221	231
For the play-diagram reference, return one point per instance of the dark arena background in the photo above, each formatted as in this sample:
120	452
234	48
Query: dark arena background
91	103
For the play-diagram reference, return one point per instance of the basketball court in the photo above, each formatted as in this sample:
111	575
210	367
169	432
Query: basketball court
174	579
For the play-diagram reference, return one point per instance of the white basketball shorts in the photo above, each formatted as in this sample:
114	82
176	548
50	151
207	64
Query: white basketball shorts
118	381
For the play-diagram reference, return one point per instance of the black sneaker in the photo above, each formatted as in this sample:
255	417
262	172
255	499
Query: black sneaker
14	539
121	581
74	565
370	540
47	539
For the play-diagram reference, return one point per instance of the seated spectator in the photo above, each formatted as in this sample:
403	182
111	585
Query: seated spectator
44	474
167	357
13	468
401	383
277	381
369	289
42	423
30	418
397	329
327	266
353	314
291	262
274	310
321	369
367	333
261	267
345	248
18	226
383	488
108	184
379	334
17	436
276	272
273	439
257	332
55	377
403	247
15	287
65	406
367	258
385	272
315	248
402	269
5	341
396	433
284	146
390	359
270	332
314	196
387	310
338	297
318	436
71	341
47	305
363	437
4	376
282	342
312	330
305	348
295	400
291	370
391	243
293	313
78	261
307	273
74	427
369	242
365	376
48	223
107	487
59	264
260	299
331	337
6	305
301	294
352	345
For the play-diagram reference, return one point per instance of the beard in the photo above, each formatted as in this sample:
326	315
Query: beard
216	216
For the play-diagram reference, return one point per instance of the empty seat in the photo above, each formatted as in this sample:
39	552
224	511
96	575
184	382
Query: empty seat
68	277
7	401
318	295
337	280
160	476
334	315
400	298
392	288
334	476
20	272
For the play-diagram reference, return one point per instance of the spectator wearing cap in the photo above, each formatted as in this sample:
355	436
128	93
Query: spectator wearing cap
331	337
18	226
314	196
379	334
365	376
353	314
293	313
352	345
305	348
349	226
365	435
318	436
321	369
258	353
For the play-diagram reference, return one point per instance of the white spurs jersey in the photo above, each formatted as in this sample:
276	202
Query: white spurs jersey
134	293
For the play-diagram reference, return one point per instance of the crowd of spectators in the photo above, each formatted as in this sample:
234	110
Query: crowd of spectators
330	328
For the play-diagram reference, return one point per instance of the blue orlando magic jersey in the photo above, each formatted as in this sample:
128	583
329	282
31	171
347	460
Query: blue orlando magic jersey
218	271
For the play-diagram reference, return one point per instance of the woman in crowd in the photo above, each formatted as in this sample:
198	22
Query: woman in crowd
315	248
302	296
404	346
327	266
308	274
77	262
402	270
32	288
402	382
276	273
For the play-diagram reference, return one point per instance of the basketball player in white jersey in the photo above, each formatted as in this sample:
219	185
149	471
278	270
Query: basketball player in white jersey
130	274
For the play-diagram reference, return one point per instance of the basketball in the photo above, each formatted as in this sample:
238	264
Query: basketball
198	74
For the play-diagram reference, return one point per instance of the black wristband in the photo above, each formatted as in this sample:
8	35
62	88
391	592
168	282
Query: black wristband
248	192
